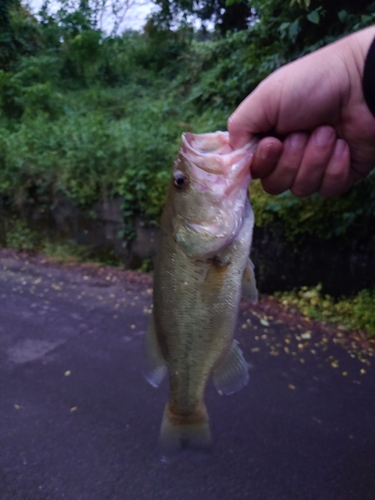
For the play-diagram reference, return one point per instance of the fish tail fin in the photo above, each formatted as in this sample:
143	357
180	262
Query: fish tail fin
179	433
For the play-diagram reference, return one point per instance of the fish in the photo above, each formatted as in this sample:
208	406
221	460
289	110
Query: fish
201	269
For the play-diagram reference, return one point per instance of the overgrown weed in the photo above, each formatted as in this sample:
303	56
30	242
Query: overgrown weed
354	313
66	252
20	237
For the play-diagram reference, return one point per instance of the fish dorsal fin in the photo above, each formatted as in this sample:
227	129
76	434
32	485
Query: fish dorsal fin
249	286
154	367
232	373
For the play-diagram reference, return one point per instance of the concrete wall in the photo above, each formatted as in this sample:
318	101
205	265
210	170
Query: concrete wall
342	266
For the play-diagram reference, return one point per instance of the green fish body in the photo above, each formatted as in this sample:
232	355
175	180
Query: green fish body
201	269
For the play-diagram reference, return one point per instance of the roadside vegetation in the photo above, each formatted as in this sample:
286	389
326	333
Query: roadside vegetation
350	313
88	115
92	115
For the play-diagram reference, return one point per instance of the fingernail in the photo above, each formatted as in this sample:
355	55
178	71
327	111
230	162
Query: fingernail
323	135
297	140
339	147
238	142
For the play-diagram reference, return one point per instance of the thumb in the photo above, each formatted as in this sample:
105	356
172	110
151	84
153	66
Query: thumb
257	114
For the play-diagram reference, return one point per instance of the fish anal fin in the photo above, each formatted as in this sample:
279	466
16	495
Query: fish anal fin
249	287
232	373
154	366
180	433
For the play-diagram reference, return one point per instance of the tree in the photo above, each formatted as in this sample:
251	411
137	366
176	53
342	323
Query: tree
225	17
19	33
7	39
102	15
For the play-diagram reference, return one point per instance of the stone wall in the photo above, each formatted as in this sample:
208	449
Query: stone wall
342	266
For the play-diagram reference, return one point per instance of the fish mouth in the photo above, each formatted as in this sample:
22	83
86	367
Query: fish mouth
213	153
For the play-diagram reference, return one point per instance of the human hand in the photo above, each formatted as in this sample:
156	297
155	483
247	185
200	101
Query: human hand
316	105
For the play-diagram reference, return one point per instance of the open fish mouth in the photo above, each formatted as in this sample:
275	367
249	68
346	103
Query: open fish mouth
217	142
213	153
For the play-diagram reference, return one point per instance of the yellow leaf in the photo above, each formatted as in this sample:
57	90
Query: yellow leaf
317	420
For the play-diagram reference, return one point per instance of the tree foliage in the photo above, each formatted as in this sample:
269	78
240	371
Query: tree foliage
19	33
224	15
89	115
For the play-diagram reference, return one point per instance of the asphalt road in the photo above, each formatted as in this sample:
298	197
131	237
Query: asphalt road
78	421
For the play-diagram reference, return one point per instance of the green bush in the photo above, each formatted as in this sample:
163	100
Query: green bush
91	154
351	312
93	116
66	252
347	215
10	91
19	236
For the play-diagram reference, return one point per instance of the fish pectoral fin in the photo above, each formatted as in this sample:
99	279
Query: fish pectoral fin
154	367
249	286
232	373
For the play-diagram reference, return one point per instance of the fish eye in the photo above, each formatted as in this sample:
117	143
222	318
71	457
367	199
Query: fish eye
180	180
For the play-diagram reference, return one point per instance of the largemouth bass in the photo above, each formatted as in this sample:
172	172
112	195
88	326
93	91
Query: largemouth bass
201	268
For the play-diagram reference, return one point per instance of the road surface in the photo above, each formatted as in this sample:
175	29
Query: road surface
79	422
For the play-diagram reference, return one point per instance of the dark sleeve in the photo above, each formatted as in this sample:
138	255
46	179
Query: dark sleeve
369	79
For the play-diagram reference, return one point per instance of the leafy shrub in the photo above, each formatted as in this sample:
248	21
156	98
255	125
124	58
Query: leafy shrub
317	216
71	155
19	236
82	56
42	68
10	92
117	131
66	252
88	154
351	312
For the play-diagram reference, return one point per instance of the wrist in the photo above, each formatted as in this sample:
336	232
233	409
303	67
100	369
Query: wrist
353	51
368	81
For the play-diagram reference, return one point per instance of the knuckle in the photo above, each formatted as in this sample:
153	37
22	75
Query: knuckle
336	175
301	191
273	187
289	168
